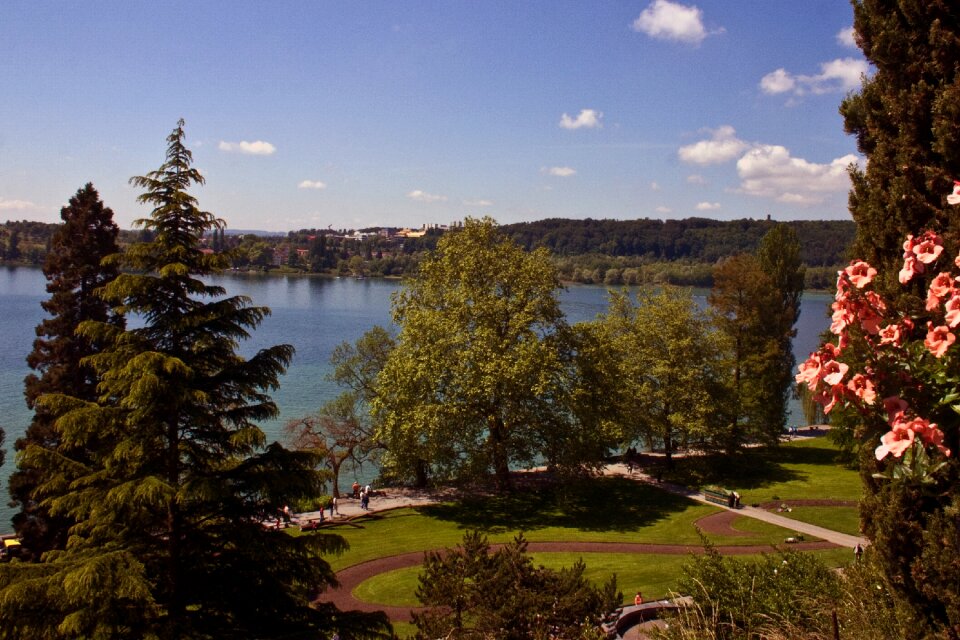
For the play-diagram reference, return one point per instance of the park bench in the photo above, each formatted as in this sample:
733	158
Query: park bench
718	495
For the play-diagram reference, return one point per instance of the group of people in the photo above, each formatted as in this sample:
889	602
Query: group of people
362	494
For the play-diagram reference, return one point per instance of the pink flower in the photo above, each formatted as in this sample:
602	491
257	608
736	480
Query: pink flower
929	248
860	273
911	267
832	372
891	334
954	198
940	287
894	442
895	408
862	387
809	372
842	316
952	308
938	339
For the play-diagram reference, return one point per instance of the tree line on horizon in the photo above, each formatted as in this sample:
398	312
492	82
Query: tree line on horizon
612	252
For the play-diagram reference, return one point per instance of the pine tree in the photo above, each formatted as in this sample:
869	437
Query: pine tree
74	273
170	540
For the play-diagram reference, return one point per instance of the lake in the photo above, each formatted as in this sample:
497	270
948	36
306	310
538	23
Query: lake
313	314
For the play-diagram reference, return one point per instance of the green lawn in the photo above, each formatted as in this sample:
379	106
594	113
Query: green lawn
652	574
596	510
802	468
842	519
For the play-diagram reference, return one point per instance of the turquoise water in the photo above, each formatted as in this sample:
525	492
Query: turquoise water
312	314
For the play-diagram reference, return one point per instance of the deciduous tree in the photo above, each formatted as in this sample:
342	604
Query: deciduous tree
668	367
480	372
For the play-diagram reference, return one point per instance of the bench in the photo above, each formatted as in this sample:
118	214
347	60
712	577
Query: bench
718	495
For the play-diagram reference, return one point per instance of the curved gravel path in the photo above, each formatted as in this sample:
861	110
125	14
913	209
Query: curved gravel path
352	576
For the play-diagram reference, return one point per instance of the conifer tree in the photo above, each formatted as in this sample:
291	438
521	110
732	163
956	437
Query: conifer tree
170	539
906	119
74	273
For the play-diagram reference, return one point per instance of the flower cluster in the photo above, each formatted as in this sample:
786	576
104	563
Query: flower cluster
901	366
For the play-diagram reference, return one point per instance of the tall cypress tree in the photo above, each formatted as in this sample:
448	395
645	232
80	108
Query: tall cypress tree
74	273
906	119
170	540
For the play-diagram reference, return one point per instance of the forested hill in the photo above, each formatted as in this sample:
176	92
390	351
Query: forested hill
823	242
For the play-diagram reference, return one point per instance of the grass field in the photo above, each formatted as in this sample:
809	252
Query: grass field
597	510
655	575
612	509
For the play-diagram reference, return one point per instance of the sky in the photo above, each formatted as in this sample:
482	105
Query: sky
358	114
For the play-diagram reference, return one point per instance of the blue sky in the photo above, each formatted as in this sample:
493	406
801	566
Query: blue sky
356	114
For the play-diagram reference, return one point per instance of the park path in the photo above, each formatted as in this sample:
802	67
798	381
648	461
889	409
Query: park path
836	537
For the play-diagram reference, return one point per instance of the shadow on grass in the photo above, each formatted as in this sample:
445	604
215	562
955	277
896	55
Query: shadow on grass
595	504
752	468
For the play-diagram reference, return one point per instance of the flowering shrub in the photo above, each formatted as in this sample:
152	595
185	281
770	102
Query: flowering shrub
900	370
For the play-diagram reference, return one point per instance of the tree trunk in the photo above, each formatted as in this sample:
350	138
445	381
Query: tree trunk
501	468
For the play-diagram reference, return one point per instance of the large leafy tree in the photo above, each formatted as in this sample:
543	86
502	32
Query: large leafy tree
479	378
744	302
668	367
169	503
906	119
75	273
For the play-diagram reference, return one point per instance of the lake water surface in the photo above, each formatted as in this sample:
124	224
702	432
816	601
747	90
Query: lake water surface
313	314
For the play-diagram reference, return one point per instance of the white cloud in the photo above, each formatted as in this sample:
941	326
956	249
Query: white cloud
655	186
662	209
667	20
560	172
846	38
312	184
256	148
769	171
696	178
707	206
779	81
587	119
722	146
478	203
17	205
423	196
840	75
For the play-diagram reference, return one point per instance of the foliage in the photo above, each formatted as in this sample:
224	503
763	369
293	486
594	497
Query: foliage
668	368
748	311
906	119
74	276
480	378
735	599
893	371
341	432
176	480
692	239
474	592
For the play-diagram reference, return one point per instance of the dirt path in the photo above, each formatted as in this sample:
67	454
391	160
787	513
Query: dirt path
351	577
